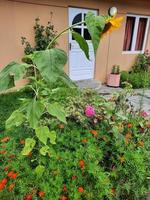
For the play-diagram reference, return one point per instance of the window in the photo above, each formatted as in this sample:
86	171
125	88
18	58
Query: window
135	33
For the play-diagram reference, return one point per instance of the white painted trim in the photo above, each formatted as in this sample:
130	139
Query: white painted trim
135	32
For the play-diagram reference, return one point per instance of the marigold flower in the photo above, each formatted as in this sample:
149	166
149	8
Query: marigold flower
6	169
113	191
11	187
12	156
80	189
130	125
4	181
81	164
128	136
94	132
84	140
28	197
22	142
61	126
63	198
74	177
41	194
5	139
2	186
141	143
147	125
65	188
89	111
112	24
3	152
10	174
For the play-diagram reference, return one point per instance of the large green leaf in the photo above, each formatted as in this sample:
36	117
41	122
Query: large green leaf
50	63
44	150
95	25
82	43
12	72
56	110
34	111
52	137
29	145
42	134
15	119
39	170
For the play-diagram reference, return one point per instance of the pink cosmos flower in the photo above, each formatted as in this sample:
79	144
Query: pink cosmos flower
144	114
89	111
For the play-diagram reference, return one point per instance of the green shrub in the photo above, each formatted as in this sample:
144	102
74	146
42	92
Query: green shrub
137	80
43	35
142	63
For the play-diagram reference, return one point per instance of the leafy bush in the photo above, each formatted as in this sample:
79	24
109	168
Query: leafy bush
106	159
137	80
142	63
43	35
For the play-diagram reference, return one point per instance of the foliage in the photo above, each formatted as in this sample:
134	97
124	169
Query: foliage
63	143
137	80
43	35
142	63
108	158
115	69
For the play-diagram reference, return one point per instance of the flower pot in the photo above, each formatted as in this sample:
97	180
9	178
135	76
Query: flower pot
113	80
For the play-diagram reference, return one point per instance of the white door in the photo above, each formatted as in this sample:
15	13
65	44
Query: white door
80	68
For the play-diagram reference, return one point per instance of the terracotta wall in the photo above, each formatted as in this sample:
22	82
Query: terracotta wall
17	19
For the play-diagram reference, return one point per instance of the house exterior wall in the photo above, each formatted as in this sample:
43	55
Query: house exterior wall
17	19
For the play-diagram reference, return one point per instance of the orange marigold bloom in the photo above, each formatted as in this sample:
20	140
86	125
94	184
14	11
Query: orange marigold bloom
10	174
22	142
80	189
11	187
2	186
63	198
113	190
74	177
141	143
148	125
3	152
61	126
5	139
41	194
4	181
81	164
128	136
94	132
6	169
84	140
14	175
130	125
65	188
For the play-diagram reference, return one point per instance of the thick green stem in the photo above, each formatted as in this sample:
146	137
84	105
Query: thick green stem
62	32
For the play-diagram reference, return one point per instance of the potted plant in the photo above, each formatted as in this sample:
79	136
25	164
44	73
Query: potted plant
113	79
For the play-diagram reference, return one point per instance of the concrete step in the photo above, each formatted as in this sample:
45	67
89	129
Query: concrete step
89	84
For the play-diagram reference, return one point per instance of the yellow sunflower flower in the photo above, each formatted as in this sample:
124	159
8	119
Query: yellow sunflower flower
112	24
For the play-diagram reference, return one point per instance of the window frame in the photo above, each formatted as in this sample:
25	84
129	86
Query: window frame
135	31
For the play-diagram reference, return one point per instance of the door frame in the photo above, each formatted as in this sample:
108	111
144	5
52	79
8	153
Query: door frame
82	8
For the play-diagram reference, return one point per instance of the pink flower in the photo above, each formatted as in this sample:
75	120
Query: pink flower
89	111
144	114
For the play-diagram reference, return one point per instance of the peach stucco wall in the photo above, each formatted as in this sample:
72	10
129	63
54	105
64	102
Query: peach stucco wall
17	19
